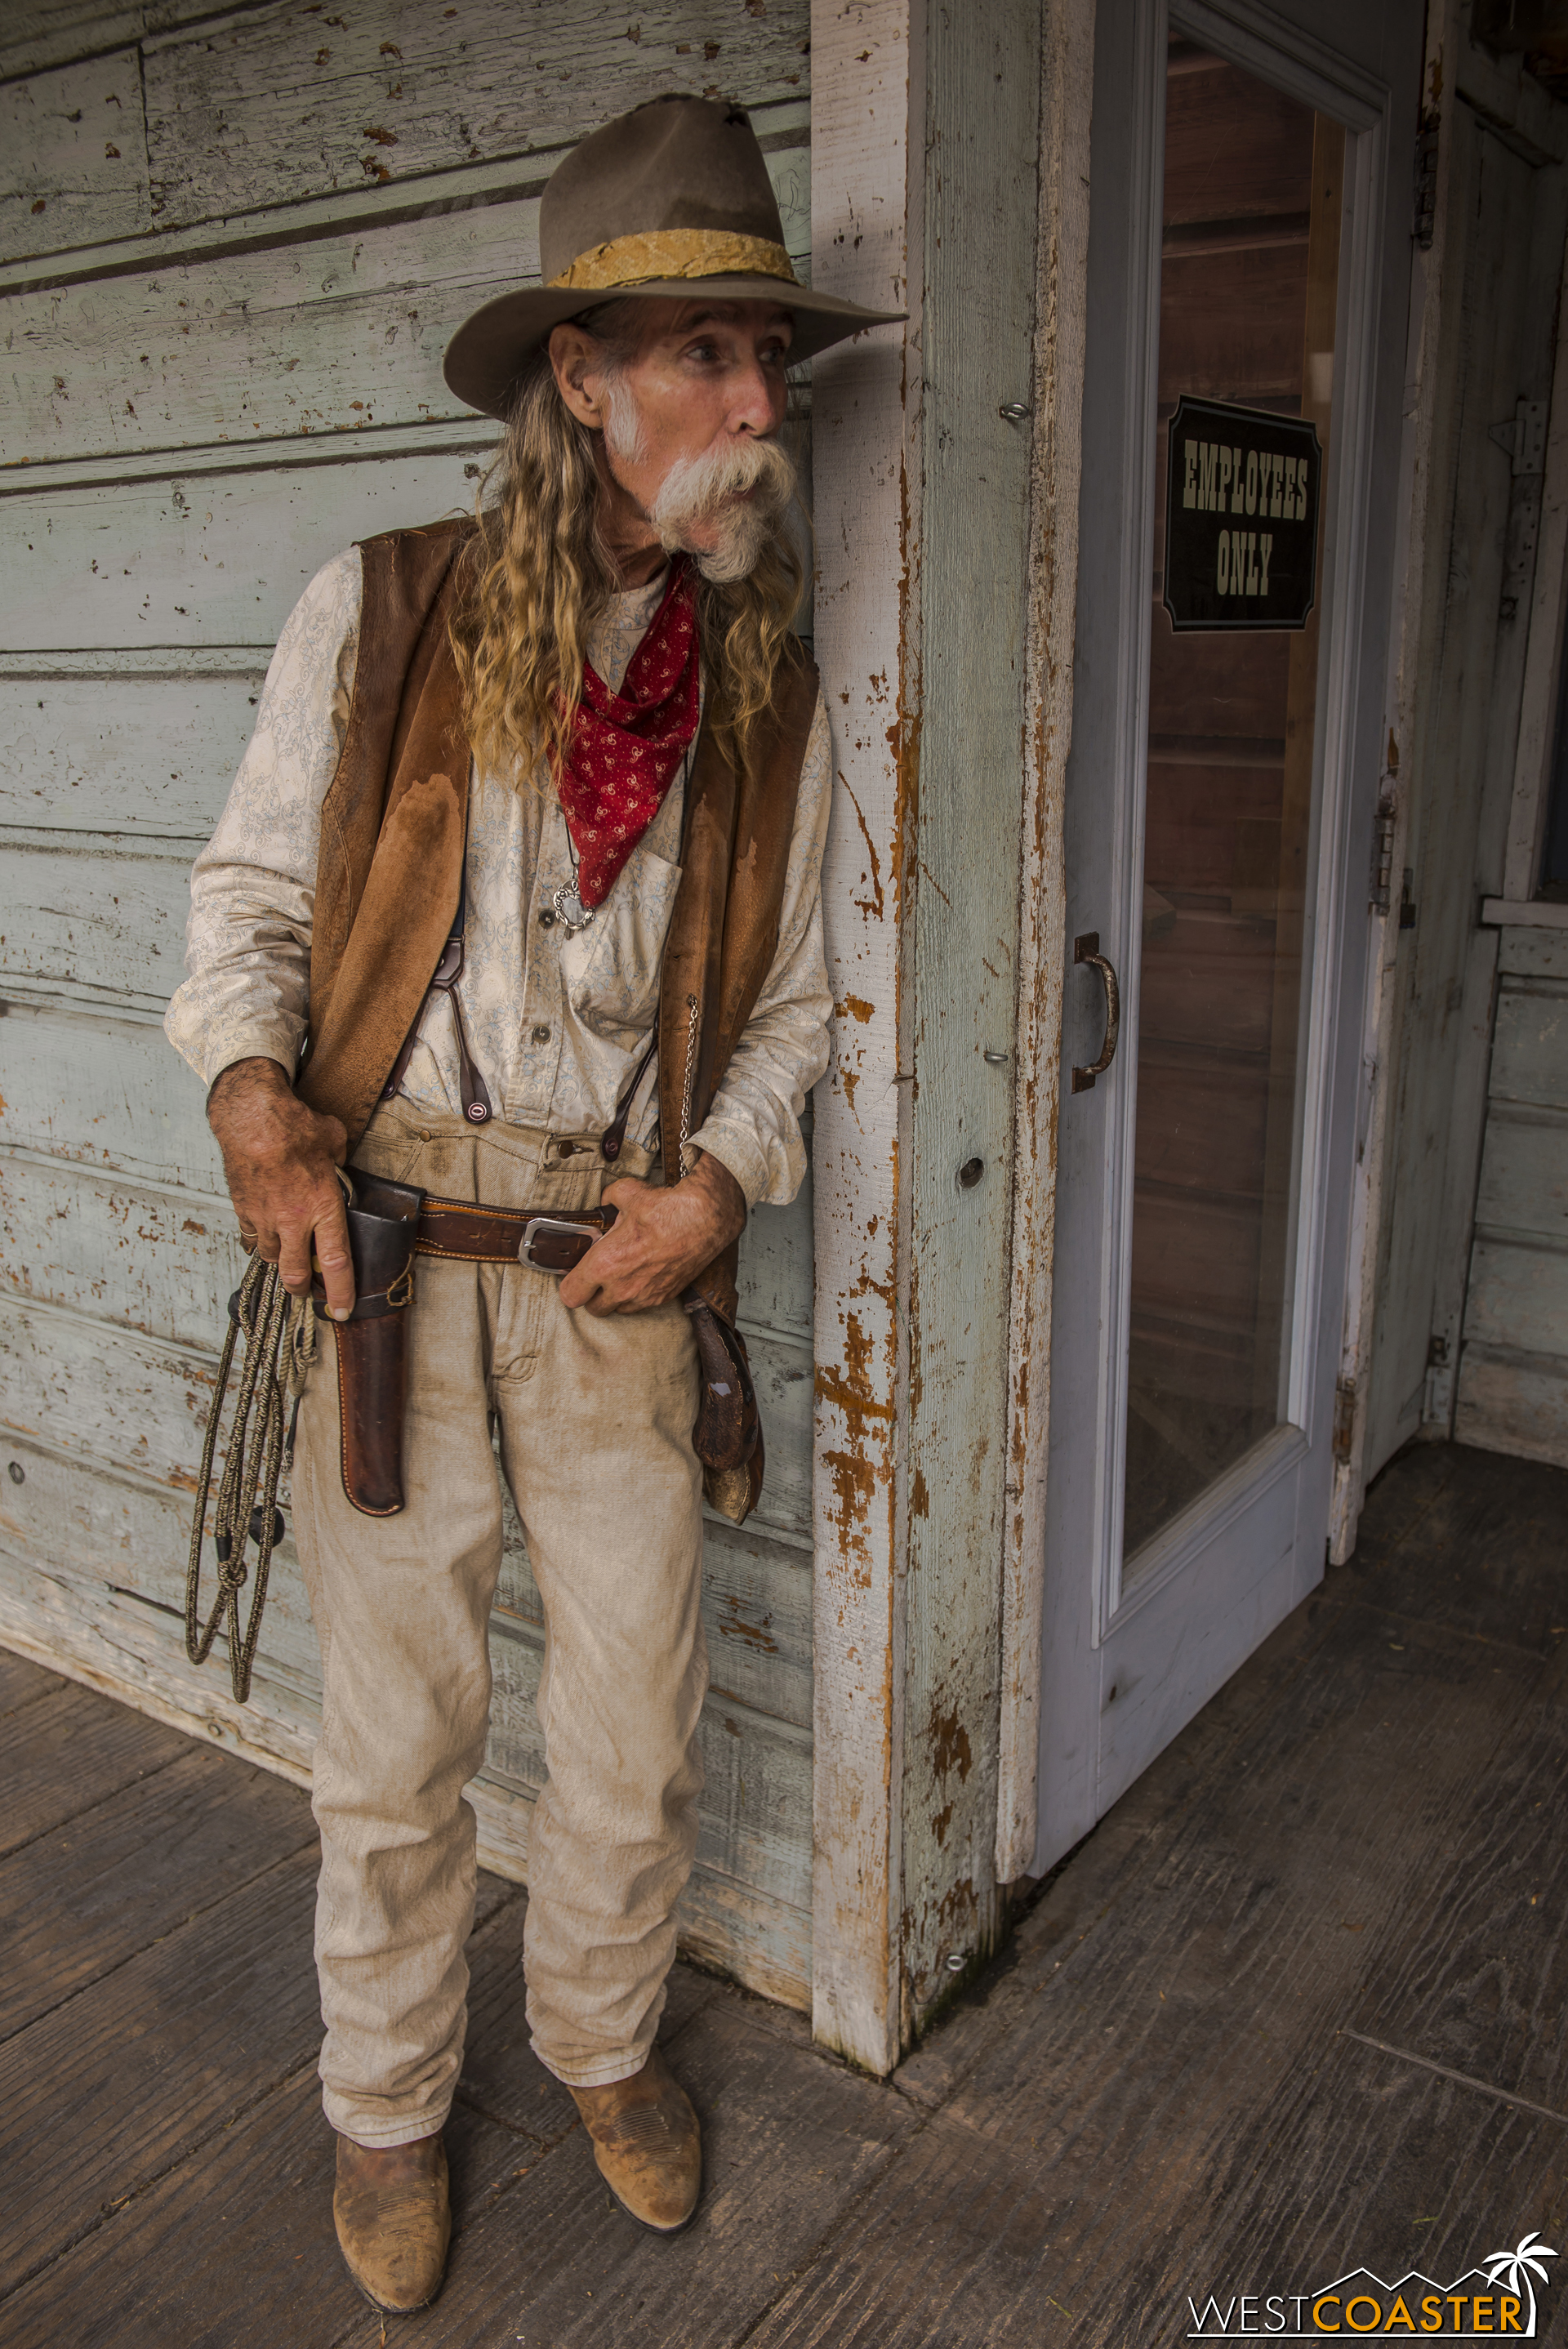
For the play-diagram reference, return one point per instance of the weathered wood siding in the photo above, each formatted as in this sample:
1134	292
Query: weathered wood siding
927	193
969	786
865	400
231	250
1483	336
1513	1367
1061	296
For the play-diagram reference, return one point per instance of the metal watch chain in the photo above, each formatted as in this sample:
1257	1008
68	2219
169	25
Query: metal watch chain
567	896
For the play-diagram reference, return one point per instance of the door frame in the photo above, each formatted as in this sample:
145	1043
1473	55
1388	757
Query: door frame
1370	107
926	1716
933	191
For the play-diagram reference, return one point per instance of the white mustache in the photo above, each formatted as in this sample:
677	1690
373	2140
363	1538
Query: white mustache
709	493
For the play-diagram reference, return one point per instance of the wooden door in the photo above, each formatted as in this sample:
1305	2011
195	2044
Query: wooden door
1241	255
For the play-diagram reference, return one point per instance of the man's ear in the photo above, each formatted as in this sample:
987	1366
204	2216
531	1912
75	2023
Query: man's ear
574	358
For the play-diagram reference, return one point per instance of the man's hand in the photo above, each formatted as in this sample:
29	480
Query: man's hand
659	1239
278	1157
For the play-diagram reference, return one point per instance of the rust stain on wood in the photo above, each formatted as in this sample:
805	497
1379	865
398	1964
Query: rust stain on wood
950	1747
876	904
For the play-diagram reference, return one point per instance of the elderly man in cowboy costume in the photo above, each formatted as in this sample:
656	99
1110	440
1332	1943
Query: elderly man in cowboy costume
512	920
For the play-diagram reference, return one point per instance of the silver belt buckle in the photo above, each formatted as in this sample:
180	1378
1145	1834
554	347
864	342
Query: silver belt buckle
550	1225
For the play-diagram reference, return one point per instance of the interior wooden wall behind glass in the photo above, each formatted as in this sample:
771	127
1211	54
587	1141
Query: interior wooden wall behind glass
1252	209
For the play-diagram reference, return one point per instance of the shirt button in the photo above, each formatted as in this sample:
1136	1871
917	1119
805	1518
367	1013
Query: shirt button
547	919
542	1035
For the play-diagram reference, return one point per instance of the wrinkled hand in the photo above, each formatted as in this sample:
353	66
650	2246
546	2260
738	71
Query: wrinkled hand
278	1159
659	1239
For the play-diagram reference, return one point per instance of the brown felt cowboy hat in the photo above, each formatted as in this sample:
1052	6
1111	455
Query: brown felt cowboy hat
673	199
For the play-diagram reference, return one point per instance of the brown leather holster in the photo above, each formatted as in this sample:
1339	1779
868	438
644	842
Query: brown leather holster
727	1437
373	1343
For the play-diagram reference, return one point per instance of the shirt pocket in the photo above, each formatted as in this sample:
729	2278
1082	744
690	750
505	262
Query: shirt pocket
610	971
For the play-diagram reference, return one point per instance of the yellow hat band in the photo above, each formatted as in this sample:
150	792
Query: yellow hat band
677	253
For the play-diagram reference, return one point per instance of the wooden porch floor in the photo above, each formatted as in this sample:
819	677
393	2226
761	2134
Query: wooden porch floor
1297	2006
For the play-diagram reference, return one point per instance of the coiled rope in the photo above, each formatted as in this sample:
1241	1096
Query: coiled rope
280	1347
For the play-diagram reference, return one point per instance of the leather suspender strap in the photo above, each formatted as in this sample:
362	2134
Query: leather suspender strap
476	1105
614	1133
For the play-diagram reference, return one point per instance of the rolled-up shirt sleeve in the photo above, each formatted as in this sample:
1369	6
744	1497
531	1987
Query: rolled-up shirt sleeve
253	888
753	1124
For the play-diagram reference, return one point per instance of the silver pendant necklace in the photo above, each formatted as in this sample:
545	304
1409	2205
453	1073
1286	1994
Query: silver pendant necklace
567	898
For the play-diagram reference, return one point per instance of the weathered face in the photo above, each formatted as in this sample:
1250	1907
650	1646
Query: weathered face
690	422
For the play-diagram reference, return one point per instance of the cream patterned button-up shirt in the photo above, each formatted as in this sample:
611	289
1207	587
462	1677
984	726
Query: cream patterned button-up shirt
555	1025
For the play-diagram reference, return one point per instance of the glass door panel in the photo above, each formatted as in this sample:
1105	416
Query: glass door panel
1248	279
1248	288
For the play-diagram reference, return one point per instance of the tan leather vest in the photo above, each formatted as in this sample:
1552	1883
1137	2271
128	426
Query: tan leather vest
390	862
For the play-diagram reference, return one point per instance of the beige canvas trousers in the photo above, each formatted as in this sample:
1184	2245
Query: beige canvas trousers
595	1418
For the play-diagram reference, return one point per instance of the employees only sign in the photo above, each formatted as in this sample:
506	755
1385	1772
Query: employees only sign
1241	517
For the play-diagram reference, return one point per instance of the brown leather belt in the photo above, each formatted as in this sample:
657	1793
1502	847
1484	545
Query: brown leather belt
551	1240
390	1223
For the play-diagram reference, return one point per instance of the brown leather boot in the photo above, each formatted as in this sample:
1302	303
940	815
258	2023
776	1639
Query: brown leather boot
648	2144
394	2219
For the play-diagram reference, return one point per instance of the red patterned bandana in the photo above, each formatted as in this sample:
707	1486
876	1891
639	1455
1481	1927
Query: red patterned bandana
625	745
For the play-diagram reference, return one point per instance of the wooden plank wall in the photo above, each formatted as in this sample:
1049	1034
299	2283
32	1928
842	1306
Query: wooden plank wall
1492	288
1513	1366
232	249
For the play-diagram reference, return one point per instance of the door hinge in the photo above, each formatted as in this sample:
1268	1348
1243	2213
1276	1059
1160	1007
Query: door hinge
1383	855
1438	1404
1522	436
1343	1417
1426	181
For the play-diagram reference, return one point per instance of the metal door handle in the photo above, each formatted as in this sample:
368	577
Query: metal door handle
1087	949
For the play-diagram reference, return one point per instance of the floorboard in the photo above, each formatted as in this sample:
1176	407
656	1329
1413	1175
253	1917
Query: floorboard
80	1899
1478	1978
1154	2092
1364	2161
237	2250
121	2082
969	2245
789	2139
129	2077
69	1750
1471	1540
1187	1994
22	1682
1082	1890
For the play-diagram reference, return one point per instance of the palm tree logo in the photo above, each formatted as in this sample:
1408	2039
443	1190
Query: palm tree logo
1515	2270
